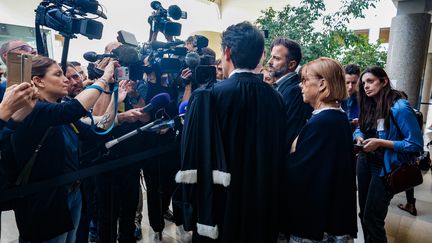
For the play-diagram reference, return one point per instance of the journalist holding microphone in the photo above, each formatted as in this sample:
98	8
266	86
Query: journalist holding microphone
53	215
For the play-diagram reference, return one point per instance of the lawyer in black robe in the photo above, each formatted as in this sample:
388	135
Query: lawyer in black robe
232	151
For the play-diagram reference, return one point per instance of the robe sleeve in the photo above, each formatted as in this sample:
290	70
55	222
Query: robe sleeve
203	164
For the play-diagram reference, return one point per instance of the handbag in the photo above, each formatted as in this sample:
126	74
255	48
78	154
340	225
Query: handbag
405	176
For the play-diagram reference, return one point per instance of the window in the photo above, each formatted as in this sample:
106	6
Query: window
364	32
27	34
384	35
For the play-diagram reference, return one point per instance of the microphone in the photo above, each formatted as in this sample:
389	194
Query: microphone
192	60
92	56
156	5
175	122
175	12
157	102
126	55
163	45
183	107
163	125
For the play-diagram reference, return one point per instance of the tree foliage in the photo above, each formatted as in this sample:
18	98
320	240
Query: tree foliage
331	38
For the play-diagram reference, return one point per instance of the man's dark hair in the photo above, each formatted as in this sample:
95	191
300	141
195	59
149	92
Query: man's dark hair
75	63
294	49
352	69
246	43
190	39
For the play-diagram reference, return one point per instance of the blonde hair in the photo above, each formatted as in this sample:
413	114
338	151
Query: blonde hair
334	75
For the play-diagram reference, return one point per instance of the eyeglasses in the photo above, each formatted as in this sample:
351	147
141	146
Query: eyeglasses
75	76
24	48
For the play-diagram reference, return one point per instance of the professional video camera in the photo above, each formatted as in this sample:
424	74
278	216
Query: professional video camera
69	17
160	20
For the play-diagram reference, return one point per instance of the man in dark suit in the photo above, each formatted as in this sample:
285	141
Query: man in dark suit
284	59
232	148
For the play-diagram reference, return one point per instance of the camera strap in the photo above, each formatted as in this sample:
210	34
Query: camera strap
115	93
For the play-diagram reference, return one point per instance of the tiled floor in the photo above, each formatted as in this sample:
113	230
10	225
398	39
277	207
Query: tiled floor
401	227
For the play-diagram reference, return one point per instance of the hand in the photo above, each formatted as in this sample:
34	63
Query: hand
87	82
109	71
22	113
371	144
16	97
186	73
133	115
122	91
359	140
354	122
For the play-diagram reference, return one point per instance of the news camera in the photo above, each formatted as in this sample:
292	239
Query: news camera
69	17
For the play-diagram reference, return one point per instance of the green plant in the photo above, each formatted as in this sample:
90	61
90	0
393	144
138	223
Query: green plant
324	34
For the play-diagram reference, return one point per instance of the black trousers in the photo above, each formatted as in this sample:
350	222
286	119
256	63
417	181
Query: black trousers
159	176
88	209
117	197
374	200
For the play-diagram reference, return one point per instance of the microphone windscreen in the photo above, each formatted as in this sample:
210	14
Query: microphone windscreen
155	5
127	55
192	59
174	12
160	100
183	107
90	56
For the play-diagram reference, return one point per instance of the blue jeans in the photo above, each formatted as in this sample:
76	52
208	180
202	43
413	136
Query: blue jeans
74	203
374	200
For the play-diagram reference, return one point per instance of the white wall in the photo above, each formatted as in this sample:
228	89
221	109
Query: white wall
129	15
236	11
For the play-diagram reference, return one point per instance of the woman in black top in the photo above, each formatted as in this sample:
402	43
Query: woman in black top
321	188
55	212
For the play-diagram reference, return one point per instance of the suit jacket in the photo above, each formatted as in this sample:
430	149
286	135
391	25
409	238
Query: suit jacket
297	112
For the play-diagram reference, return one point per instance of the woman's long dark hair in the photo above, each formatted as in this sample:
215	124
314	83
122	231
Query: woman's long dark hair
370	109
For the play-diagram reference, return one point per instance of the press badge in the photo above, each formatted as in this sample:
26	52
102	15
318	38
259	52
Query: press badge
380	125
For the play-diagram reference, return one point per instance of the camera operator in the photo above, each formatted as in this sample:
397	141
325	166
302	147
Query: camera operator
53	214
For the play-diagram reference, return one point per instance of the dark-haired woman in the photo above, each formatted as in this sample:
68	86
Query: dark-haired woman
382	111
53	215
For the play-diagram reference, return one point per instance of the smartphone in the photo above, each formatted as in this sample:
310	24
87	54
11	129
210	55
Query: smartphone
19	67
358	147
122	73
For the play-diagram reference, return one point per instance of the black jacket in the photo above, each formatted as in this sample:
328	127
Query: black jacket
297	112
321	179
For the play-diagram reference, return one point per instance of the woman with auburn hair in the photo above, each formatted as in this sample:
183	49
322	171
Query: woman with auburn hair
388	131
321	169
53	129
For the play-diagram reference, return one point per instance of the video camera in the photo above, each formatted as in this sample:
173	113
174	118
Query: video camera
69	17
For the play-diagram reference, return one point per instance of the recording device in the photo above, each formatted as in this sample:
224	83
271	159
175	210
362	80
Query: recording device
69	17
19	68
159	101
358	147
203	71
160	20
132	67
172	123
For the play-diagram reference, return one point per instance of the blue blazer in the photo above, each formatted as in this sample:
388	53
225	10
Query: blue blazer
412	135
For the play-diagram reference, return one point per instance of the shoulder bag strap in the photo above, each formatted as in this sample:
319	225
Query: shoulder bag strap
26	171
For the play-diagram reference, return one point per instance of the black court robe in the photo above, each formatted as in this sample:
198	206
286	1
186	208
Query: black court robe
321	179
233	146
